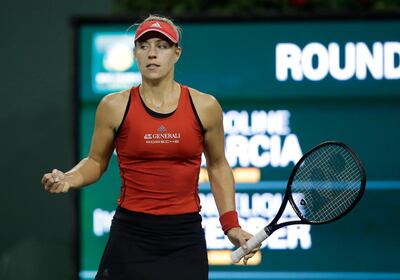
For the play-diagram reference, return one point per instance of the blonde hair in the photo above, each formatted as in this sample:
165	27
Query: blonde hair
160	18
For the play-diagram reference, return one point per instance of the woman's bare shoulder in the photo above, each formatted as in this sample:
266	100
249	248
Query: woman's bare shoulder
116	98
203	101
112	107
207	107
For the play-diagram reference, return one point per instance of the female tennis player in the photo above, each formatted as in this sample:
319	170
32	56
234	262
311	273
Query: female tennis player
159	130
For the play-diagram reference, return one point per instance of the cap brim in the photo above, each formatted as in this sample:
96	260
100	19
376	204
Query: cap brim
158	31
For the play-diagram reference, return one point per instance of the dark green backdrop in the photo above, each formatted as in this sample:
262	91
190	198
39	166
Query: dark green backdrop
36	135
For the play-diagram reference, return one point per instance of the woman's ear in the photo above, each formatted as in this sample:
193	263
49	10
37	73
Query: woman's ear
178	51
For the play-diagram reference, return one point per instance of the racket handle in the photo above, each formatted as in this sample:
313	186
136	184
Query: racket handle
251	244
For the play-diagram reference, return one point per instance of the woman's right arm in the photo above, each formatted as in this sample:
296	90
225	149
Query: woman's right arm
90	169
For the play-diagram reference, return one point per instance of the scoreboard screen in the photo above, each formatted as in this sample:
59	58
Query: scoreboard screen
284	86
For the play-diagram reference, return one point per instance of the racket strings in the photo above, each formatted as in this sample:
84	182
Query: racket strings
326	184
333	209
325	206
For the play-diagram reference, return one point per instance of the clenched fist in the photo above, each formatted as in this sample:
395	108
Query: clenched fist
55	182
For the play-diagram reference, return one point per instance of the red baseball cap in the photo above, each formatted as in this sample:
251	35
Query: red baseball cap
158	26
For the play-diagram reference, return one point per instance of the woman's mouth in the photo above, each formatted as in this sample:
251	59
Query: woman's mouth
152	66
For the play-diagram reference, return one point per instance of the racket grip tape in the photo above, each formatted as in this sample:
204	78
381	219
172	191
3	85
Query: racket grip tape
251	244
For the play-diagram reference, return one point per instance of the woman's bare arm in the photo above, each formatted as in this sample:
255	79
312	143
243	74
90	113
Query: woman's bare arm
108	116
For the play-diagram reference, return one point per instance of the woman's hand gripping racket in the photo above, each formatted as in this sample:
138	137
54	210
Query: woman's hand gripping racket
325	184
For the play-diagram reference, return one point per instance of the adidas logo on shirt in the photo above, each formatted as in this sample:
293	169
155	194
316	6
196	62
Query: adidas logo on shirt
156	24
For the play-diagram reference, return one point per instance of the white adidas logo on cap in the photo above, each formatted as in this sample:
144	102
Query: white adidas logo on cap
156	24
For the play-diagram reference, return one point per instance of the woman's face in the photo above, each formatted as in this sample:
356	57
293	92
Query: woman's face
156	56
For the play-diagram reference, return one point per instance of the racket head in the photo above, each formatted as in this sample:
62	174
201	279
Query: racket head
326	183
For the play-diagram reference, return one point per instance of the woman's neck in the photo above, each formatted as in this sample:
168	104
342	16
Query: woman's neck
161	94
157	89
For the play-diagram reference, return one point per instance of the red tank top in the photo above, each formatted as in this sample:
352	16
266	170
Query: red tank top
159	157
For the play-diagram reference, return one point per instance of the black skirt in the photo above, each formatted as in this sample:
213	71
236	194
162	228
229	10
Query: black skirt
150	247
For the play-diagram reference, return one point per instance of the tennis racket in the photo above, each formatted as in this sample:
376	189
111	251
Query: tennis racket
325	185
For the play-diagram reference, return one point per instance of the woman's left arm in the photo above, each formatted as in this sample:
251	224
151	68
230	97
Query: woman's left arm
220	173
